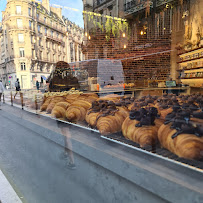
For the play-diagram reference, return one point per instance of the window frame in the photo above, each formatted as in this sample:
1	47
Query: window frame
22	52
23	66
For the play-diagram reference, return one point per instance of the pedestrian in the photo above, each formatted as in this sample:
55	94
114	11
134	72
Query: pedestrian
1	91
37	85
17	86
46	89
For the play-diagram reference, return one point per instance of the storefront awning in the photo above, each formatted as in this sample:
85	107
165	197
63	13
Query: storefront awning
44	78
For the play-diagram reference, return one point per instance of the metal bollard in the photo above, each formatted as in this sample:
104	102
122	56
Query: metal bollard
21	98
11	98
36	105
3	98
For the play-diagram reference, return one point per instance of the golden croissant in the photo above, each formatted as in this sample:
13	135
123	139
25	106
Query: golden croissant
112	123
59	110
91	118
77	110
53	102
45	104
145	135
184	145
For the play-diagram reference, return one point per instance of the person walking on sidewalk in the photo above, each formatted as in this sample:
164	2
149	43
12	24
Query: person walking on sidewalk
17	86
1	91
37	85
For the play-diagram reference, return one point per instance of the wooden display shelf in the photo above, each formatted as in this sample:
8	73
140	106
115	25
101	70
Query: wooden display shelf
192	78
190	59
190	51
190	69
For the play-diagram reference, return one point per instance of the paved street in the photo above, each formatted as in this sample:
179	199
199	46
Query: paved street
33	166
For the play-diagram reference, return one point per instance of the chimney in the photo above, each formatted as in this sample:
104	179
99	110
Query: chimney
46	5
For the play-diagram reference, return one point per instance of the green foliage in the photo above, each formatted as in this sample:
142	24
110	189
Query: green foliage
116	26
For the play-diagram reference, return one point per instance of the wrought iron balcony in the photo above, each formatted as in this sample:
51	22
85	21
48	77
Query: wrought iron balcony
162	2
134	6
100	2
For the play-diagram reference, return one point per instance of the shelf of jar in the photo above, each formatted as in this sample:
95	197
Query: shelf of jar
192	78
189	52
201	57
190	69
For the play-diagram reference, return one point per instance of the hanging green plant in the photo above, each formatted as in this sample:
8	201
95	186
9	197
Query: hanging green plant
100	26
108	27
107	38
114	26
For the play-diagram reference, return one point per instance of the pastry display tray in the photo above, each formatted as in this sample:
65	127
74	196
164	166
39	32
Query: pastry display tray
156	151
118	138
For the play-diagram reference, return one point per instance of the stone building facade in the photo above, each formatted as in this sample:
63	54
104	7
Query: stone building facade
33	39
75	36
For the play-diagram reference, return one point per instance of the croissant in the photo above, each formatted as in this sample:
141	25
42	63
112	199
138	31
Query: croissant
91	118
184	145
145	135
72	97
112	123
77	110
164	112
53	102
110	97
45	104
58	112
64	105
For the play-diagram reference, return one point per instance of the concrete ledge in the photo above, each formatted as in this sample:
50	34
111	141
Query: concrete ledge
165	180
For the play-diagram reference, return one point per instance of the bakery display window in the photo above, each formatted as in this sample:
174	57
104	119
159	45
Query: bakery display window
131	75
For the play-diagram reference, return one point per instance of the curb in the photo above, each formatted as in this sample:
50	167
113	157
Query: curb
7	193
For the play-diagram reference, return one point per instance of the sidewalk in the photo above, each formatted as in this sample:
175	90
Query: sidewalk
7	193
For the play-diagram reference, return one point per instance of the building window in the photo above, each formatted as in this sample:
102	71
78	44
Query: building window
39	28
22	52
51	22
29	12
19	23
52	33
20	37
57	35
37	16
23	66
30	24
18	9
45	19
45	31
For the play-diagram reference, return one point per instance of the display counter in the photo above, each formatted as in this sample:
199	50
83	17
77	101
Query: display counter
144	91
146	177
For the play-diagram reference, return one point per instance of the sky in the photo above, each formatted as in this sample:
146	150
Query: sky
74	16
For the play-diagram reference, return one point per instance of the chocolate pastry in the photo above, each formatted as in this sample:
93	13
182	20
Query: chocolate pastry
185	105
142	126
198	115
